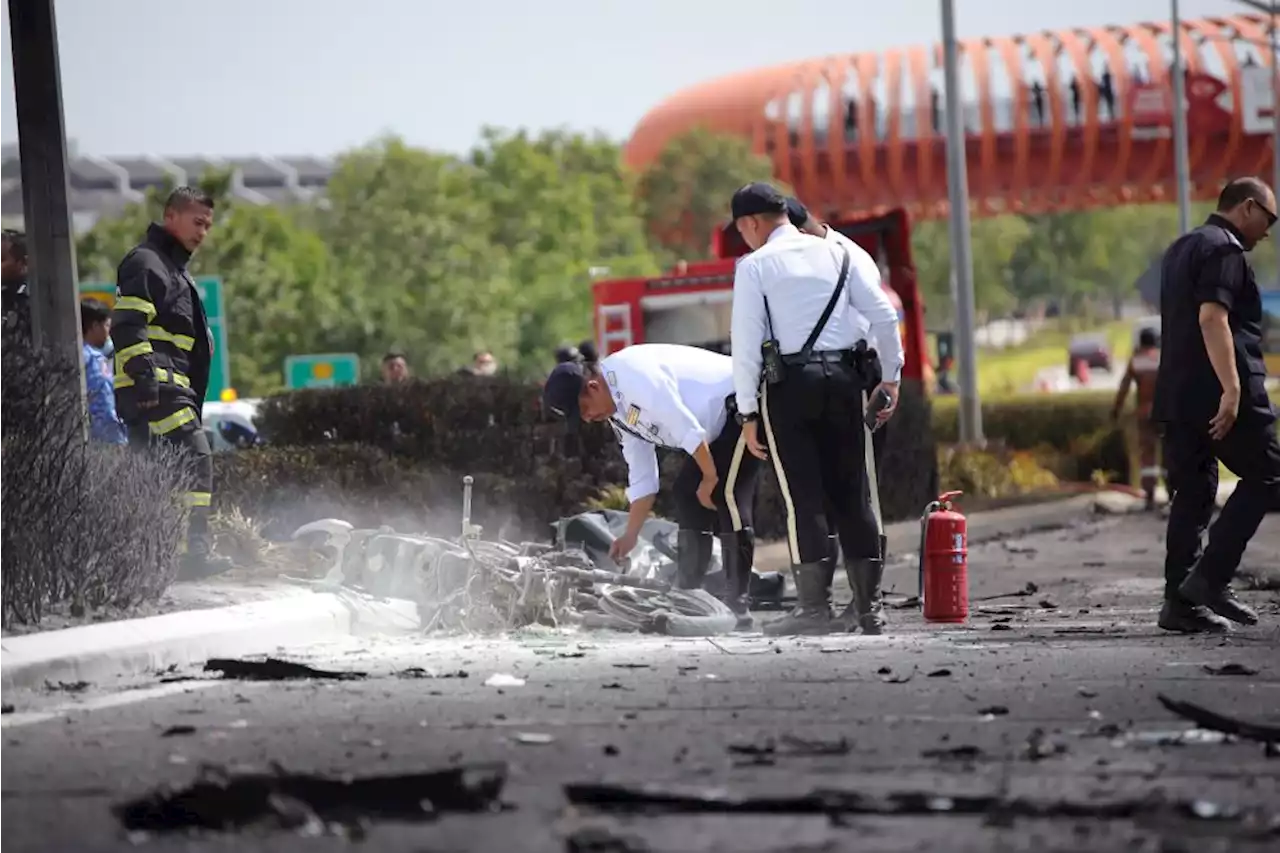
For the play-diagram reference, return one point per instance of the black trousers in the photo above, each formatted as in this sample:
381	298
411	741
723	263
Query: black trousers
193	442
818	444
735	494
1249	451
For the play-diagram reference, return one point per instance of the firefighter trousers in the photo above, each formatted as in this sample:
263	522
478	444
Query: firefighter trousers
819	447
183	430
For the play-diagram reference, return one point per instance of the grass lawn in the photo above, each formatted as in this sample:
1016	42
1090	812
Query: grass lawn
1002	373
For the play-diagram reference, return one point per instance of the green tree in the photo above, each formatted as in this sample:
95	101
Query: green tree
559	204
994	241
685	192
409	232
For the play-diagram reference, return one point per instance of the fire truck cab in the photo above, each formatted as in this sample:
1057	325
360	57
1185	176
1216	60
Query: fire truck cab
691	303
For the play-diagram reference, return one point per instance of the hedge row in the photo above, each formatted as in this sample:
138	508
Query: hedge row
1076	427
371	454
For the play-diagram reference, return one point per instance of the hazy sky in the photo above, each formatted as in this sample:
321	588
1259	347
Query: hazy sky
232	77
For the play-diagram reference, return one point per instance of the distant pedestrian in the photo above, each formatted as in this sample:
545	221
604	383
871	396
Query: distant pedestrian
1141	373
95	329
1211	399
395	368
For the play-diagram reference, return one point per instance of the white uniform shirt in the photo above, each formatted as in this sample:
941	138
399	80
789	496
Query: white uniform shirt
666	395
798	273
834	236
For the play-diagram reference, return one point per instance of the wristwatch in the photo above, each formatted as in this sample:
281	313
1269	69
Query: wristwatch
747	418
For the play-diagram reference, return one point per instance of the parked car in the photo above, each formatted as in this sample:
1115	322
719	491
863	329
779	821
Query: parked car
1092	349
231	425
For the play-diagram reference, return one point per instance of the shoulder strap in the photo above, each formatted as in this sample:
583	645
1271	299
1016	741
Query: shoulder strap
807	349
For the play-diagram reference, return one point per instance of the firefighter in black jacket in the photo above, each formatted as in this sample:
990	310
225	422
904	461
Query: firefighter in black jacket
163	349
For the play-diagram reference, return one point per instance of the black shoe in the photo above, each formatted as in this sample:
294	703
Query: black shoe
1187	618
1221	600
869	600
196	566
812	614
737	551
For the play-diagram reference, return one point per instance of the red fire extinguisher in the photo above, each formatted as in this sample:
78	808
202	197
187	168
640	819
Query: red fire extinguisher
944	561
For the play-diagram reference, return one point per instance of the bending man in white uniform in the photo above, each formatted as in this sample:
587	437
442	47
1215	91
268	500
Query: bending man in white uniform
665	395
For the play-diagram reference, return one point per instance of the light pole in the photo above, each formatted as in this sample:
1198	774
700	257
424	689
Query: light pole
1273	11
961	250
1181	167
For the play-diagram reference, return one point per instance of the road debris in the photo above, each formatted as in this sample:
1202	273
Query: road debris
993	711
964	752
6	708
66	686
422	672
888	677
1029	590
222	801
1212	720
178	731
1040	746
274	669
502	679
794	747
1229	669
534	738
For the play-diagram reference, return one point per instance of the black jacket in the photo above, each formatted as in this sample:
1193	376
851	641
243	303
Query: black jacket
163	346
1208	264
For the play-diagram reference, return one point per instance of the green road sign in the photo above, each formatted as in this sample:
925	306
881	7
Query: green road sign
321	371
210	290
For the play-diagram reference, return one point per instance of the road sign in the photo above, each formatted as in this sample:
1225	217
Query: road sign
210	290
334	370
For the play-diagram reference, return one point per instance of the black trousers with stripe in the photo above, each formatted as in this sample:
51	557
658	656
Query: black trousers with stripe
193	443
821	453
735	494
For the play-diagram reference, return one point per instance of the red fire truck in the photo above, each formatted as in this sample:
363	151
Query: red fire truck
691	303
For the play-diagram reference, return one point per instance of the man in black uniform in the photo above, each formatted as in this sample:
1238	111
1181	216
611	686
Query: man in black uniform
1212	402
863	611
797	300
163	349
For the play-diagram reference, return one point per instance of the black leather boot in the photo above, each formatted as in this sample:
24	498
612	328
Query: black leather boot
1182	616
198	565
812	614
867	598
738	552
693	558
1198	590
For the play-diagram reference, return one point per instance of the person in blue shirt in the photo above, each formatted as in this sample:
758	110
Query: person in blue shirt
95	328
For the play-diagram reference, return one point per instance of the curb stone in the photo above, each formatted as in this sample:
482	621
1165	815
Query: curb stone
135	646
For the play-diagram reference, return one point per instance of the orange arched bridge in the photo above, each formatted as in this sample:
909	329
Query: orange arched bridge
1065	120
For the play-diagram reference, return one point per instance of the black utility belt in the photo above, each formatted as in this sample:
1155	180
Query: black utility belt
838	356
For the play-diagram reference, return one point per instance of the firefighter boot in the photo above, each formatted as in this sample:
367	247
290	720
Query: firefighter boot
693	558
738	550
198	561
812	613
866	576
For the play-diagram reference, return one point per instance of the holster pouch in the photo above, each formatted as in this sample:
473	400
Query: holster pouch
772	366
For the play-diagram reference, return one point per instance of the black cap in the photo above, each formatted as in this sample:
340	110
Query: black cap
566	353
561	391
797	212
757	198
588	350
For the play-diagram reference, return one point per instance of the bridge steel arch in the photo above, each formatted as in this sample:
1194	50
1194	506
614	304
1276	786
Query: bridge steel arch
872	143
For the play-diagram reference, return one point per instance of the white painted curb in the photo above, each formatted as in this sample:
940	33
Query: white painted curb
134	646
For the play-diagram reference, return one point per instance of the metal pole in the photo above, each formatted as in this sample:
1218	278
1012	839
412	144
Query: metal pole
42	148
961	249
1275	111
1181	168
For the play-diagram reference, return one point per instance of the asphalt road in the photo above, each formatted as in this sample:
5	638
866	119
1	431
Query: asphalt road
1058	707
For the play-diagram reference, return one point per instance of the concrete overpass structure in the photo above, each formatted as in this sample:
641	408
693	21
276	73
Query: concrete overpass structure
1056	121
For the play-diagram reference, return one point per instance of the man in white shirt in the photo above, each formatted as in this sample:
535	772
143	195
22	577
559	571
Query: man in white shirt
665	395
797	303
865	610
